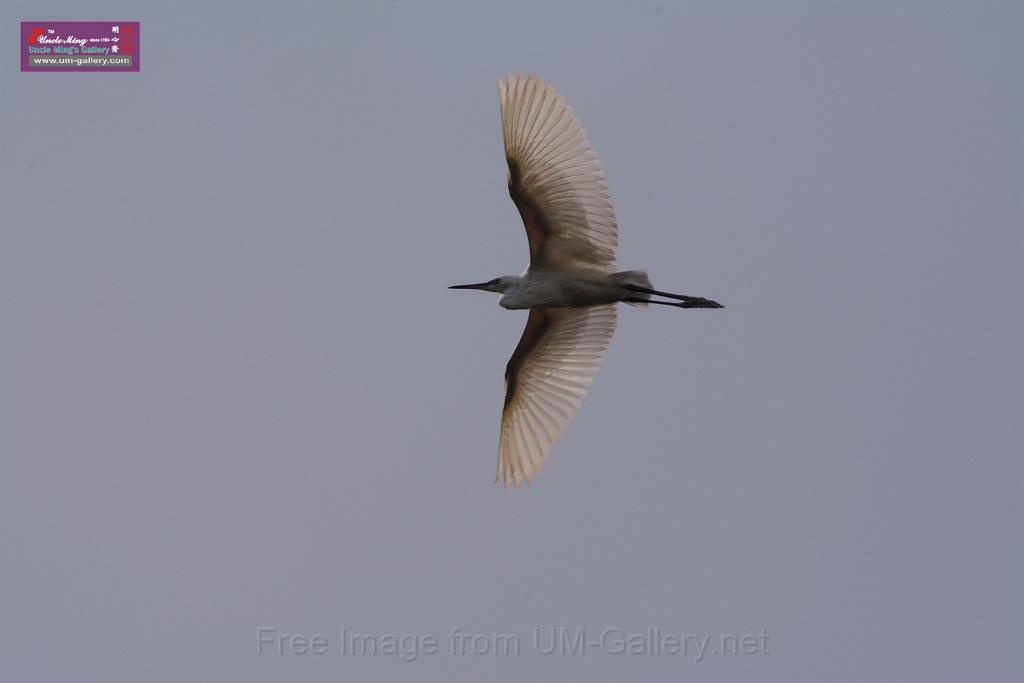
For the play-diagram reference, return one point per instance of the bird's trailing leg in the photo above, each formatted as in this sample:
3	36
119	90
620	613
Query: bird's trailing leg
685	301
678	304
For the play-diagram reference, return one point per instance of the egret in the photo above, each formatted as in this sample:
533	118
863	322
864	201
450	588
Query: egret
572	283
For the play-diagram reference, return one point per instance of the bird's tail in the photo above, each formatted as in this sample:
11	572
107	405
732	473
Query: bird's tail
634	278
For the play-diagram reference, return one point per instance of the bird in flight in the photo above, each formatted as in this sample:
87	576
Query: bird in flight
572	283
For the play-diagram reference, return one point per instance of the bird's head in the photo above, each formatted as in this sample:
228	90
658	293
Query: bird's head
498	284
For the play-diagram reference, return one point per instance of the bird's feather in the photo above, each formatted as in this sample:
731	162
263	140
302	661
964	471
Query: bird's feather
545	381
555	178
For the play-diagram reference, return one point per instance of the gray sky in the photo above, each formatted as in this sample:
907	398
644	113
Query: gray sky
234	392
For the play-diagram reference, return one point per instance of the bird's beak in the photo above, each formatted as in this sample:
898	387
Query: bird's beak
478	285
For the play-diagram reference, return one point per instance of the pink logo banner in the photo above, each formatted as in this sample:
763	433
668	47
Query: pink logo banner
79	46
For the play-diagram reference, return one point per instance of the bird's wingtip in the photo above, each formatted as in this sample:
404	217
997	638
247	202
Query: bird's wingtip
512	479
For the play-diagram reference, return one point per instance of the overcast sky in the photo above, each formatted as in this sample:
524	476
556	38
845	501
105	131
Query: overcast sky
235	393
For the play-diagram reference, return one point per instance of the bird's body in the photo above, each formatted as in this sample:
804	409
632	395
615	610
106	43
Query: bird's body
569	288
572	283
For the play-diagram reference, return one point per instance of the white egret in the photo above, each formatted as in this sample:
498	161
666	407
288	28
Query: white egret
572	283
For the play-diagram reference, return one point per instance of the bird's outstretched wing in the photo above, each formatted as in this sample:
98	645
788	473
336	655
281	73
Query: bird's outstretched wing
555	178
546	378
